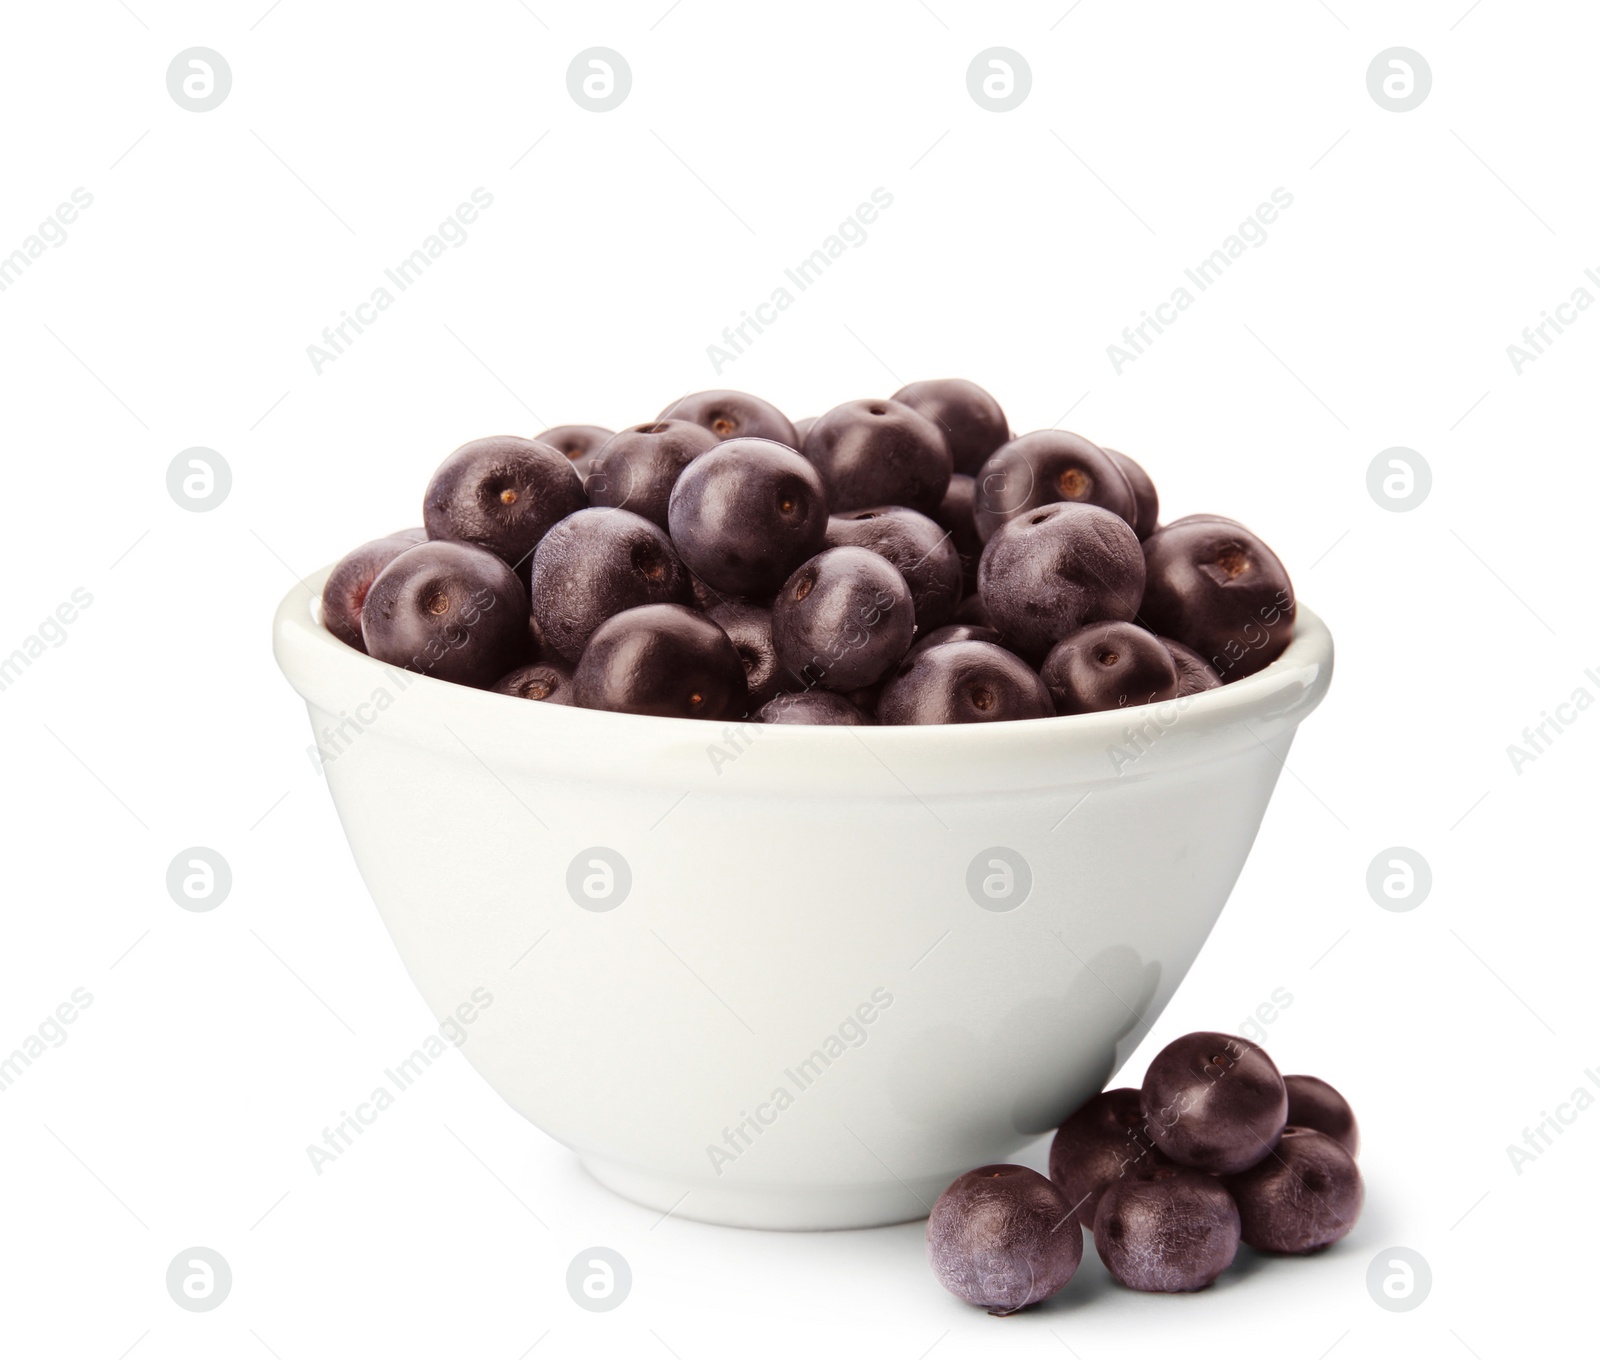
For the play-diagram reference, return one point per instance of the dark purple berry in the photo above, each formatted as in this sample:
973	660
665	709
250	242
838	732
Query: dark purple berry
663	660
802	428
1042	468
548	682
1102	1142
1303	1197
502	493
974	426
1194	675
955	514
954	632
448	610
637	468
1214	586
734	415
749	628
1166	1230
576	442
1215	1102
879	452
745	514
1109	665
597	563
842	620
346	587
917	547
1313	1104
963	682
1146	504
813	707
1057	569
1002	1237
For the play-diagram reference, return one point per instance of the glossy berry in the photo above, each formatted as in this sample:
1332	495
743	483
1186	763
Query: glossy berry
954	632
1102	1142
1214	586
879	452
813	707
1057	569
637	468
917	547
971	420
842	620
346	588
749	628
1166	1230
1194	675
502	493
1302	1198
963	682
955	515
745	514
1109	665
734	415
448	610
1002	1237
578	443
1042	468
547	682
802	428
662	660
1313	1104
1146	503
597	563
1215	1102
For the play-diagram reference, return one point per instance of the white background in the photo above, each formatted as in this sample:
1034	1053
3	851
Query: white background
178	312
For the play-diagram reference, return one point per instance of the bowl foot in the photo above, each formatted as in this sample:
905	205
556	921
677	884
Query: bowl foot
783	1207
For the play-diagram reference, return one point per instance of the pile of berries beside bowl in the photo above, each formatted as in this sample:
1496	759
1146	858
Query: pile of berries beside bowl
1216	1148
894	561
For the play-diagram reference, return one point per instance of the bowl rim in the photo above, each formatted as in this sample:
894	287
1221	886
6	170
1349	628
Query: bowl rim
330	674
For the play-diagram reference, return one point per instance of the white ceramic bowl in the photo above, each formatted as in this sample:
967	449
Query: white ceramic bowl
793	977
